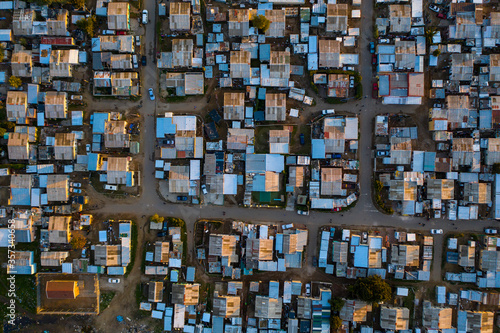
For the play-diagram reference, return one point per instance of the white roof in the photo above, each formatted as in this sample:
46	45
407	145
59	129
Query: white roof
230	184
194	169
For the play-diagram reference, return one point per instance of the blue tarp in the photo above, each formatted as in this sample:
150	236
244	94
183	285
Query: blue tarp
99	122
164	126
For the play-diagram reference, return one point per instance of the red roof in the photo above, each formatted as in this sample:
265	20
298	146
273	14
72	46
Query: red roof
58	40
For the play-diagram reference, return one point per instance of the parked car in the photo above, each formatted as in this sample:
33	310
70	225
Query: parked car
438	105
490	231
442	16
336	155
302	139
383	153
76	190
375	90
351	81
84	252
348	68
151	94
308	289
182	198
161	233
330	111
76	97
365	237
374	59
87	147
303	212
434	8
165	226
204	189
145	17
372	47
111	280
144	60
134	61
436	231
384	41
75	184
138	41
315	261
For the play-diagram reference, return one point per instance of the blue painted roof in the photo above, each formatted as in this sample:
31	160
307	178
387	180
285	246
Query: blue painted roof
93	158
100	119
209	73
259	183
318	148
77	118
45	59
429	161
174	275
20	197
262	93
361	256
32	93
265	52
217	324
190	274
164	126
130	179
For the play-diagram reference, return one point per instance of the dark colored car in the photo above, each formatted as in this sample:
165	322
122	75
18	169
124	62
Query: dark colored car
144	60
165	226
337	155
302	140
182	198
315	261
374	59
161	234
372	47
442	16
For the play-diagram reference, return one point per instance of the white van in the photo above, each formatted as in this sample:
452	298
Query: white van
134	61
111	187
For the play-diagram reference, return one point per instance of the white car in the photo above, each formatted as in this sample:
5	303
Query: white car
145	17
308	289
303	212
110	280
434	8
151	94
204	189
76	97
490	231
330	111
351	82
436	231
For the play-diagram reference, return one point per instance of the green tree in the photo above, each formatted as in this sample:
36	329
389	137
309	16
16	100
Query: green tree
2	53
337	304
78	3
87	25
372	289
2	132
496	168
436	52
158	219
375	32
78	242
336	322
261	22
15	82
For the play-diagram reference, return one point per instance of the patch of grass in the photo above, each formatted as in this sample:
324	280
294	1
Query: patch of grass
176	99
138	294
13	166
133	248
334	100
105	300
26	292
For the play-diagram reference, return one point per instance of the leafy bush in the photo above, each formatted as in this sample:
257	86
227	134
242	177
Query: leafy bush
261	22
